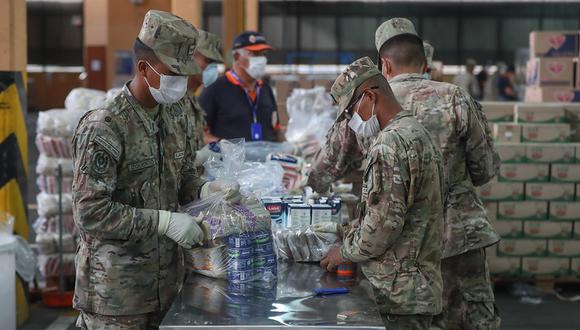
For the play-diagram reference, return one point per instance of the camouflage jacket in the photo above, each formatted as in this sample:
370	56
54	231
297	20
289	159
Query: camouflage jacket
397	240
127	167
340	155
198	121
459	126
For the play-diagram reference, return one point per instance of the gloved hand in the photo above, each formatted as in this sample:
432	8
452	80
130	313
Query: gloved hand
230	188
180	227
203	154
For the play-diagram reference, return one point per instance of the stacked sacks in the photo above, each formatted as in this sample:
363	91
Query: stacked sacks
54	132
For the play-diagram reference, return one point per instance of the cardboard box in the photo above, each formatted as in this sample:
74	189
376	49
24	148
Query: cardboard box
565	173
552	94
554	43
321	213
539	113
499	111
575	266
564	248
550	153
548	229
299	215
550	191
572	110
509	266
502	191
507	132
524	172
550	71
545	133
546	266
275	207
525	210
509	228
564	211
491	208
522	247
511	152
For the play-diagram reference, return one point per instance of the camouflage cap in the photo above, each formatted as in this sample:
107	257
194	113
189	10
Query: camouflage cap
429	51
353	76
392	28
210	46
173	40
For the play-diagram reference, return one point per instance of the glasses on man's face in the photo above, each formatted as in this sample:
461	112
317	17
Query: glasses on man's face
350	107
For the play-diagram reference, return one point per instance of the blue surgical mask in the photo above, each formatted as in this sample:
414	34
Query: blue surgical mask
210	74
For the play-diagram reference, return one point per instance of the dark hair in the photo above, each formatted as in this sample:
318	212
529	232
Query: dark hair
404	50
143	52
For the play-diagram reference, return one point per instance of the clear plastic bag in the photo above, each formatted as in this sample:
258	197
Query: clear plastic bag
48	204
50	225
261	179
58	147
293	167
48	243
49	184
49	166
58	122
258	151
84	99
25	259
302	244
49	265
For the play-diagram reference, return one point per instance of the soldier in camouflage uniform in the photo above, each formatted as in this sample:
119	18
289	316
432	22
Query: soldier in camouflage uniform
396	239
207	56
133	168
460	128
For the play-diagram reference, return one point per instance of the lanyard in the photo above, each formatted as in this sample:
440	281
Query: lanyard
253	105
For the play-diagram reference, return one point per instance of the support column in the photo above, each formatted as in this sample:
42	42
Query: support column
191	10
233	23
96	27
252	17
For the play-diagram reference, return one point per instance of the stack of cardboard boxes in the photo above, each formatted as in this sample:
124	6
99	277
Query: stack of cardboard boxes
552	74
534	203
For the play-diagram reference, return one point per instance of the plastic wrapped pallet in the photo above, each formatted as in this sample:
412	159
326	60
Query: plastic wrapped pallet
302	244
49	265
50	225
84	99
48	204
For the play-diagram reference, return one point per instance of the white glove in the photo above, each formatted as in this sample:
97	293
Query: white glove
202	155
326	227
230	188
180	227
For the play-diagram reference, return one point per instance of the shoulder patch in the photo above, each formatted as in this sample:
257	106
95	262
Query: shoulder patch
111	147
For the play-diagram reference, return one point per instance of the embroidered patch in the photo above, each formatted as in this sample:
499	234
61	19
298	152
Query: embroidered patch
141	165
108	146
179	154
100	162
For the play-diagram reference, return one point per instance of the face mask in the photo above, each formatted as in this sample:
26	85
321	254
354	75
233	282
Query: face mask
210	74
365	129
171	88
257	67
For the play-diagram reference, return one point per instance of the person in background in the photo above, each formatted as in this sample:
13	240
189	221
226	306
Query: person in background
506	90
467	79
240	104
133	169
429	52
396	239
482	78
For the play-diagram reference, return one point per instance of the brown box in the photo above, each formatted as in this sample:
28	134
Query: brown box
545	133
502	191
565	173
507	132
499	111
524	210
554	43
524	172
550	191
564	211
509	228
546	266
539	113
575	266
511	152
505	265
548	229
491	208
564	248
546	71
552	94
550	153
572	110
522	247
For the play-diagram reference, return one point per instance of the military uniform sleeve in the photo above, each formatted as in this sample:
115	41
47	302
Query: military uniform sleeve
340	155
386	205
97	151
482	159
191	183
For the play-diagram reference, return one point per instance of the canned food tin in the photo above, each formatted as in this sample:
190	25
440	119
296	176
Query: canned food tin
241	276
243	253
265	260
240	241
240	263
265	248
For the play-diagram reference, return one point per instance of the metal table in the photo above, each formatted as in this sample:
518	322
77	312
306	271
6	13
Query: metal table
207	303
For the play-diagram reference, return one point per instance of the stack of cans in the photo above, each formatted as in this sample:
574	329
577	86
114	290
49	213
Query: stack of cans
251	257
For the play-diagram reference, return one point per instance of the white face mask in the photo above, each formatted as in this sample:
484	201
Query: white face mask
210	74
365	129
257	67
171	88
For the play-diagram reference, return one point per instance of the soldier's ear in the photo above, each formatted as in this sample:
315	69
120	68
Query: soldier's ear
142	68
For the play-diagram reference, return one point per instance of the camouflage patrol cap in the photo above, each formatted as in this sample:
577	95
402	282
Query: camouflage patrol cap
429	51
392	28
172	39
353	76
210	46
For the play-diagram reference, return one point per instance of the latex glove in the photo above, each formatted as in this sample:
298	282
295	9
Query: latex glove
180	227
230	188
202	155
326	227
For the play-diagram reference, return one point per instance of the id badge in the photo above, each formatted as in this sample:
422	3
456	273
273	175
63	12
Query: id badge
256	130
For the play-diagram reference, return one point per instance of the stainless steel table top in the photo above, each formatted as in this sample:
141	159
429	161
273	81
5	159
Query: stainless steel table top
207	303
